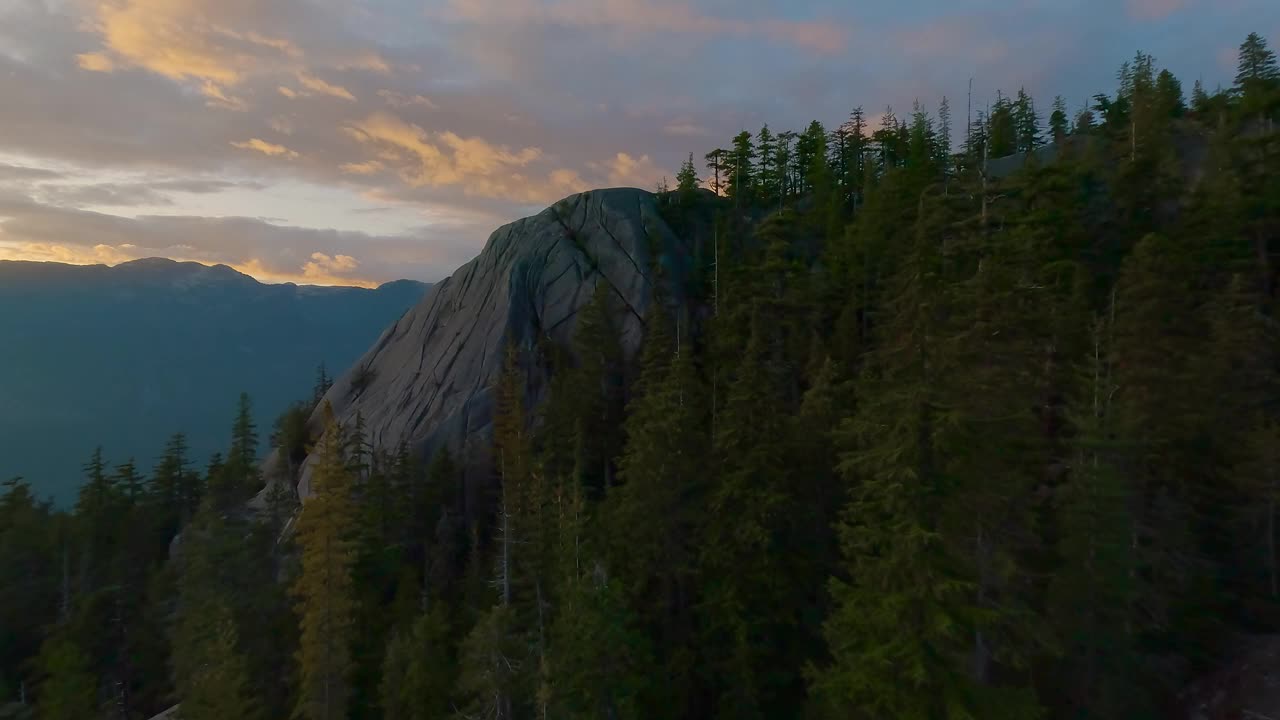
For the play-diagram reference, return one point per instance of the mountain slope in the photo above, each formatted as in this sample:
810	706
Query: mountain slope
428	379
124	356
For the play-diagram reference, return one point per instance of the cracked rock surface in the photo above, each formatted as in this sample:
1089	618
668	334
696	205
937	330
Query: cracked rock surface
428	380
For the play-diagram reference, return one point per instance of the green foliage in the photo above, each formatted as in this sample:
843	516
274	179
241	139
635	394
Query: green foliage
325	534
69	690
418	672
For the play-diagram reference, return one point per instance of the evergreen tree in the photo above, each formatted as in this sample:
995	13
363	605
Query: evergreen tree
218	684
1027	122
768	176
322	385
418	672
653	515
716	164
601	664
907	609
745	571
1058	124
740	170
942	144
69	691
1093	594
167	488
687	179
325	530
1257	74
1002	128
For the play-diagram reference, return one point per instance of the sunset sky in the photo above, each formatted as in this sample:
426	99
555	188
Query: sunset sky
359	141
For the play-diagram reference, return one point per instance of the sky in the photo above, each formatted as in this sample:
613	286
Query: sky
360	141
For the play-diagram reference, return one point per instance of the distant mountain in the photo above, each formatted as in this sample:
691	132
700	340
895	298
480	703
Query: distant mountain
125	356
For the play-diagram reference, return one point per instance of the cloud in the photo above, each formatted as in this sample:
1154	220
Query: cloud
365	61
325	267
268	251
265	147
95	62
649	16
26	174
400	100
363	168
445	158
281	124
218	97
684	129
624	169
1154	10
316	85
69	254
182	40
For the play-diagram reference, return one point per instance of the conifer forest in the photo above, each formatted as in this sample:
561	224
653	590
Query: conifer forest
965	415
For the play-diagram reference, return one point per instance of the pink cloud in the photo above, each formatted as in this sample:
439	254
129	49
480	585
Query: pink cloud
654	16
1153	10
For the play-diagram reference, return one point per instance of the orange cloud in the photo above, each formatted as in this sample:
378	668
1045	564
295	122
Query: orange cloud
69	254
178	39
364	168
265	148
217	97
315	84
95	62
627	170
321	269
445	158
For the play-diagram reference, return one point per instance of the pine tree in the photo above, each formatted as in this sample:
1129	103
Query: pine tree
1027	123
768	177
325	530
601	664
244	437
653	515
1168	95
942	144
69	691
322	385
716	164
908	603
687	179
218	684
1093	595
1002	128
741	168
167	488
1058	124
418	672
746	573
490	660
1257	74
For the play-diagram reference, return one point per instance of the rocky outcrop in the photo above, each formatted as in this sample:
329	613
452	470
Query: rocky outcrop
429	380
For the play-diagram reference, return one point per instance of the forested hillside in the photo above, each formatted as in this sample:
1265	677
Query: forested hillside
932	437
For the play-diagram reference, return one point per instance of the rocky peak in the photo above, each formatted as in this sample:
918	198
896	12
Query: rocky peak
428	381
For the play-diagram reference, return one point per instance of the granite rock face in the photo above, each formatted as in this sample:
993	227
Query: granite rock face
429	380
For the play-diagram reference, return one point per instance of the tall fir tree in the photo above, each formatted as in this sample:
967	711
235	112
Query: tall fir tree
325	536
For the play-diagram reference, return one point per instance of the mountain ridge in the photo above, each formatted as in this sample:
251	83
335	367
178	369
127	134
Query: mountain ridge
124	355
